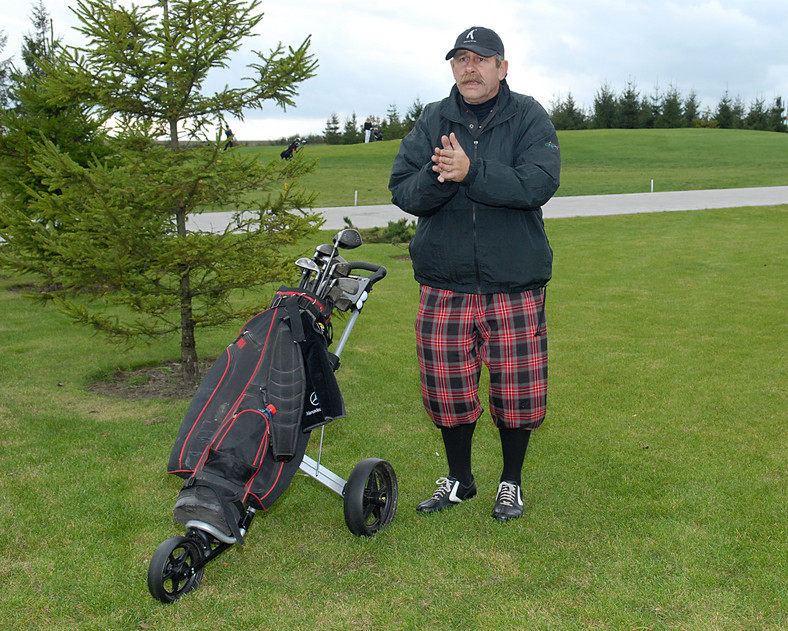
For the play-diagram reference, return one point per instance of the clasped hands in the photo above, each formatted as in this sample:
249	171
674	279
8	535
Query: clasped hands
451	163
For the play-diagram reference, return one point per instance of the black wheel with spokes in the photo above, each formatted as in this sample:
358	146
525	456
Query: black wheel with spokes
370	497
171	573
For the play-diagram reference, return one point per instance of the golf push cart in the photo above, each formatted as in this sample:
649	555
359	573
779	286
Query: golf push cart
245	433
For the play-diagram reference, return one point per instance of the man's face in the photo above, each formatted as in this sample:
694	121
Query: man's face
478	78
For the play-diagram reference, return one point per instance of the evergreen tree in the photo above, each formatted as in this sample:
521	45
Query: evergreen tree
651	109
777	119
392	127
351	133
724	114
691	109
739	111
331	133
117	229
5	65
412	115
567	115
757	117
605	108
37	45
32	116
629	107
671	115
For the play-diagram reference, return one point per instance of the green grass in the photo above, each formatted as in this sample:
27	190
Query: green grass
595	162
656	490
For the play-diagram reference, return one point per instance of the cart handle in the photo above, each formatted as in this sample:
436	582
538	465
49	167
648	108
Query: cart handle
378	271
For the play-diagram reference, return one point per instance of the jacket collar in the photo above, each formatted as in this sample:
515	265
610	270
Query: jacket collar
450	106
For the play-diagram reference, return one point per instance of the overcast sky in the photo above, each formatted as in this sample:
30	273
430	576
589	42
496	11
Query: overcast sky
375	54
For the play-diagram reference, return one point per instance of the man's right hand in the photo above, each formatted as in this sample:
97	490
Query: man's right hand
451	163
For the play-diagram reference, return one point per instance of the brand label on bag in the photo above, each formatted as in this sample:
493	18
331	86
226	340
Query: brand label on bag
313	406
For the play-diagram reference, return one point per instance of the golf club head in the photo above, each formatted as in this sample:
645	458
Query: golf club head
339	267
348	285
348	239
306	263
308	267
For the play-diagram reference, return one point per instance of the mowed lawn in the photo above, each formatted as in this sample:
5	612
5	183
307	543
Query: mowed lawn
655	493
594	162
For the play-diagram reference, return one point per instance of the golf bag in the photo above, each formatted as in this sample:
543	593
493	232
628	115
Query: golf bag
292	148
247	427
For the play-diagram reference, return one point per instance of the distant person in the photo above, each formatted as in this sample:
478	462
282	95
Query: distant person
230	137
476	170
367	129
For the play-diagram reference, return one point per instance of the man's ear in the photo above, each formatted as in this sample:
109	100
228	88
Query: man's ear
503	70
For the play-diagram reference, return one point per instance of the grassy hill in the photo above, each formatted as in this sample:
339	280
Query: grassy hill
595	162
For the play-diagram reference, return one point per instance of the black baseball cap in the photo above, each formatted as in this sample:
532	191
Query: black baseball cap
480	40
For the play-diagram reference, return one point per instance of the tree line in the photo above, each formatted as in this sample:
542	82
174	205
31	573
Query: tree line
627	110
392	127
669	109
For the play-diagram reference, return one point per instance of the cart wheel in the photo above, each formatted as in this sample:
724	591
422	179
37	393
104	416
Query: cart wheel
370	497
170	574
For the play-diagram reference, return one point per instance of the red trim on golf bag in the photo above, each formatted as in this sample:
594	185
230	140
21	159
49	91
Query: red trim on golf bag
196	421
239	343
216	443
278	358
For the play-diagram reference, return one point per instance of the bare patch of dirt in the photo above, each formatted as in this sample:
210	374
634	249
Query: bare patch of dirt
161	381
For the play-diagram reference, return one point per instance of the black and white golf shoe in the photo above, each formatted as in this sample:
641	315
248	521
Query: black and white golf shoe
448	493
509	502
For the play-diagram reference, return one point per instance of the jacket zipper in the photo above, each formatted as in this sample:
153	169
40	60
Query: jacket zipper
475	236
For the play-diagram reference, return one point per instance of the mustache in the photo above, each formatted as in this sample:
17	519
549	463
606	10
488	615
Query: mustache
472	77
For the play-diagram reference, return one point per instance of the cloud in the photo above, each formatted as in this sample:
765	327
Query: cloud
373	55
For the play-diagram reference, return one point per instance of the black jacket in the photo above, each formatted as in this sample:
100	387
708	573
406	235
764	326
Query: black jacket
485	234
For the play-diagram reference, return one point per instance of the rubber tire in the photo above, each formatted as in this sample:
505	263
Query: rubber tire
370	497
169	573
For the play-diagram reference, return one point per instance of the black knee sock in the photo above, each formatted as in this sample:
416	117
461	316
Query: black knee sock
514	443
458	441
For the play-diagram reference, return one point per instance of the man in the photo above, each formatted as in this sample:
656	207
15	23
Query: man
476	170
228	133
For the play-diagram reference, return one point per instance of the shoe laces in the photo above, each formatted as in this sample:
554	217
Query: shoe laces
443	488
507	495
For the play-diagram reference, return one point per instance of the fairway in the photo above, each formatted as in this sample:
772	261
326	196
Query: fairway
594	162
655	493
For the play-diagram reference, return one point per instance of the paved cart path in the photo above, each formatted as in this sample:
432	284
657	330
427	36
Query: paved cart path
558	207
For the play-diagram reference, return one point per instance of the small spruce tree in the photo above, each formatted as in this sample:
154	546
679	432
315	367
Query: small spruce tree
114	234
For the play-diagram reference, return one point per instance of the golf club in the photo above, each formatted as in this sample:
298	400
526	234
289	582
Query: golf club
348	238
309	267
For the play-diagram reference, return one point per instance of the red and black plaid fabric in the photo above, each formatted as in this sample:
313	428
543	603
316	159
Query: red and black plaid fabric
456	333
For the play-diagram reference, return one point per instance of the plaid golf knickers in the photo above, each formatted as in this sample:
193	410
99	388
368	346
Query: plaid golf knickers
456	333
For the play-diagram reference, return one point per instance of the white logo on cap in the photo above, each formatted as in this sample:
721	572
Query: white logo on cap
471	34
